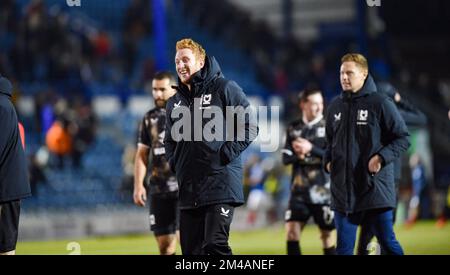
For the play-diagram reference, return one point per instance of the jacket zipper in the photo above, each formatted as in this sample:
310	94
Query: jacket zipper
347	174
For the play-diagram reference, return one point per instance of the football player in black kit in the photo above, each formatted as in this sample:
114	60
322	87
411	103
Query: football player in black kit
310	185
161	183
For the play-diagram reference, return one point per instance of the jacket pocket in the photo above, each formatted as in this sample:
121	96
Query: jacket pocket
208	157
364	182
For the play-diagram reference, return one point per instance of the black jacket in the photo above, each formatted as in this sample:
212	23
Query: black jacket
360	125
208	172
14	183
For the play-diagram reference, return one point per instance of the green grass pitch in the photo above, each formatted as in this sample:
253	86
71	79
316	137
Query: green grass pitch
423	238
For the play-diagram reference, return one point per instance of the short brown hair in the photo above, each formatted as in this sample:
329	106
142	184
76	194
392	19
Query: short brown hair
359	59
196	48
303	95
160	75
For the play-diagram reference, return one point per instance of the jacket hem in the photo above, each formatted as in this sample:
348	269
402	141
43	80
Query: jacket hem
233	202
14	198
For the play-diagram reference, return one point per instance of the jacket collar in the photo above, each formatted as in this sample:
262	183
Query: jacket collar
368	88
210	71
312	122
5	86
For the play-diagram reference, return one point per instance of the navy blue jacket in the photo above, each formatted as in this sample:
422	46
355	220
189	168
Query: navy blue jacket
14	184
208	172
360	125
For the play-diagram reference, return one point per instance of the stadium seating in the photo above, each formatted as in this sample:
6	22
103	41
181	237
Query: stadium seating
119	107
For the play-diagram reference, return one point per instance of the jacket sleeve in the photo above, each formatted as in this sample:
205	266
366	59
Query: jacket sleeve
411	115
169	143
245	129
288	154
7	133
329	137
317	151
394	132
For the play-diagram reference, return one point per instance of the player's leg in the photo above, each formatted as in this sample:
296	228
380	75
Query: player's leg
296	217
218	218
328	243
254	202
167	244
163	221
365	236
192	231
9	227
324	218
293	233
382	222
346	227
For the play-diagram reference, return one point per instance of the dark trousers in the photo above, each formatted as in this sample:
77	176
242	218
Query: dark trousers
381	222
205	230
367	233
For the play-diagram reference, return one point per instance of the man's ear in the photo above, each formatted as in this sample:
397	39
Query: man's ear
366	73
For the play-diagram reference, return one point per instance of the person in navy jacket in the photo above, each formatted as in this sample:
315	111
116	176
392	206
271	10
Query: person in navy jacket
208	170
365	135
14	183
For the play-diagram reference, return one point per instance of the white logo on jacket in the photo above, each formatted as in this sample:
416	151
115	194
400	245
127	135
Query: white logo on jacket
176	105
206	99
321	132
224	212
337	117
297	133
362	117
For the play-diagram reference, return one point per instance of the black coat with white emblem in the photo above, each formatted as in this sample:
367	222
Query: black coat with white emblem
360	125
208	171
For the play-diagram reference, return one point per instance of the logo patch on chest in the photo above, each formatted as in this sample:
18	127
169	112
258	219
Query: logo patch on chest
321	132
362	118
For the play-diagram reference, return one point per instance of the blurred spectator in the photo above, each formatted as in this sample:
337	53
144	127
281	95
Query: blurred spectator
258	200
418	185
58	140
22	134
43	106
37	174
281	173
138	23
127	185
8	14
445	214
83	131
138	18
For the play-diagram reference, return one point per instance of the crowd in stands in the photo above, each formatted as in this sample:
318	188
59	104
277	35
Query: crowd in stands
48	44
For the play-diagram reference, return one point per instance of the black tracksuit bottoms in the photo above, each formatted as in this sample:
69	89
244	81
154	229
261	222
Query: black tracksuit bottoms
205	230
